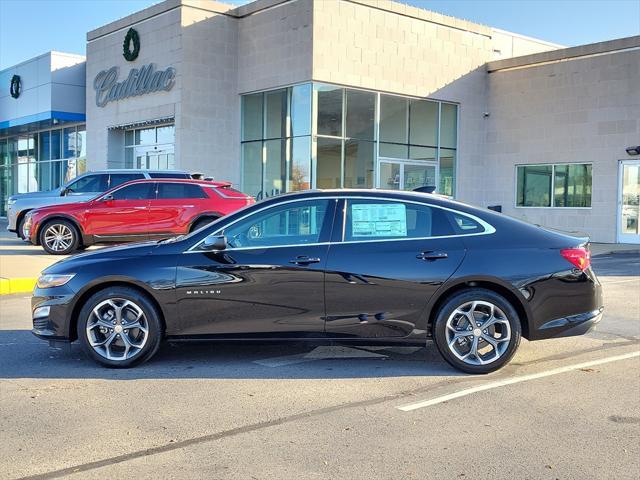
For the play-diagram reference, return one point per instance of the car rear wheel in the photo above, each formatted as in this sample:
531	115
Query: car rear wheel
59	237
477	331
119	327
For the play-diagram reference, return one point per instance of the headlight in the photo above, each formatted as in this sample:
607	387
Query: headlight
51	280
11	201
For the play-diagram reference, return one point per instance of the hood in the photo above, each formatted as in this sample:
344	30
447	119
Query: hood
103	255
56	208
48	193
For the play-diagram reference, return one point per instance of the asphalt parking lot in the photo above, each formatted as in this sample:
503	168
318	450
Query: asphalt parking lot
565	408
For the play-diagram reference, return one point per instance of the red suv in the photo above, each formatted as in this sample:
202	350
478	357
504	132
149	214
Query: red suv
137	210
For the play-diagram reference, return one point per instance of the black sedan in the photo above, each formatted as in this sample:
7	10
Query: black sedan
346	266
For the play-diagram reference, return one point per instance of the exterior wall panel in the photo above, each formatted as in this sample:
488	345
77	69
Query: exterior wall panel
580	111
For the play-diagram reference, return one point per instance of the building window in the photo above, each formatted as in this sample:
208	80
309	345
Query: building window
276	141
422	131
334	140
150	148
554	185
41	160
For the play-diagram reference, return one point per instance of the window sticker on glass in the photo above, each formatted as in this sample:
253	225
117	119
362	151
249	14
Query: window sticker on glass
379	220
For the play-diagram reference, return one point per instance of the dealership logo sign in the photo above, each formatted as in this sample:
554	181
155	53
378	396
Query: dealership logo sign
139	82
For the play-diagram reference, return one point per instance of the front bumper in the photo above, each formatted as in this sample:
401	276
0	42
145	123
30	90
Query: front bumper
56	325
12	217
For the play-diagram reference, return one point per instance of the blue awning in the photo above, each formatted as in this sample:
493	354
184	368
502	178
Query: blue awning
43	117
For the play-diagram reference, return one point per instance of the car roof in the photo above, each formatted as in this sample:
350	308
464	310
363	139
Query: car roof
191	181
376	192
133	170
422	197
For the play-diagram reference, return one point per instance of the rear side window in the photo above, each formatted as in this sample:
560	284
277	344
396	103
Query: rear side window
465	225
89	184
138	191
120	178
169	175
384	220
179	190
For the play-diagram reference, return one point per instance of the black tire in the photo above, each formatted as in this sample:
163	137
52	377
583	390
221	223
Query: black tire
459	301
151	319
198	224
62	226
20	227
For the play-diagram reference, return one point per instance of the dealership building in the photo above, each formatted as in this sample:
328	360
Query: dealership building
284	95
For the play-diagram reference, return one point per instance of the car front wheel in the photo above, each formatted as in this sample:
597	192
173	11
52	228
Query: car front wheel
20	229
477	331
59	237
119	327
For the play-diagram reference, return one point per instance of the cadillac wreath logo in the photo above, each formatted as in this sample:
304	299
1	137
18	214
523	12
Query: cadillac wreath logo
16	86
131	37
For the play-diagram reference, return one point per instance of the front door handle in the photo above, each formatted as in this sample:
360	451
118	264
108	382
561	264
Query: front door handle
431	255
304	260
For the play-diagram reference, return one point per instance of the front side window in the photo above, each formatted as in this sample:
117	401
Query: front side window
296	223
179	190
384	220
89	184
558	185
138	191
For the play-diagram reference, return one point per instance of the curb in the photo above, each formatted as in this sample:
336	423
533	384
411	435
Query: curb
17	285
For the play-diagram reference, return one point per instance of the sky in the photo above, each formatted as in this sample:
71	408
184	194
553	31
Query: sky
31	27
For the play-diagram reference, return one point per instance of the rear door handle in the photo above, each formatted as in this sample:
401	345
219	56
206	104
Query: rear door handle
431	256
304	260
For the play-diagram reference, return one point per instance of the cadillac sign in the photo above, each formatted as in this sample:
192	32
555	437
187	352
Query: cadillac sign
139	82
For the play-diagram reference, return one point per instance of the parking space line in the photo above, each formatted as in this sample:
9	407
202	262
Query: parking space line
513	380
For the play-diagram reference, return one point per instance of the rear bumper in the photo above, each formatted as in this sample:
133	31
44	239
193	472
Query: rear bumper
569	326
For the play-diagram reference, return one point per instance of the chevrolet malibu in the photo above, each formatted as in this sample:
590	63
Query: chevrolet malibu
349	266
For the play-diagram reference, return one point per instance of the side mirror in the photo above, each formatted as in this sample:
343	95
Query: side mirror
107	198
215	242
64	192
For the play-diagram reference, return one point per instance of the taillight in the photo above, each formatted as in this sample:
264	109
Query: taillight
580	257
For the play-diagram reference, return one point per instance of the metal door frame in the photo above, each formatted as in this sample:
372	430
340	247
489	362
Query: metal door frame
620	236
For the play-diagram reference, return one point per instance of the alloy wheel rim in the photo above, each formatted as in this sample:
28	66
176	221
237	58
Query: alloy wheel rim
117	329
478	332
58	237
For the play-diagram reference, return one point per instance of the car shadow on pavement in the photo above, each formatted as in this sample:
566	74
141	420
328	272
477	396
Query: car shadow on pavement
24	356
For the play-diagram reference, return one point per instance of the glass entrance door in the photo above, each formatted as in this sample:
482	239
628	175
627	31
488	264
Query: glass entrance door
154	157
406	175
629	202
